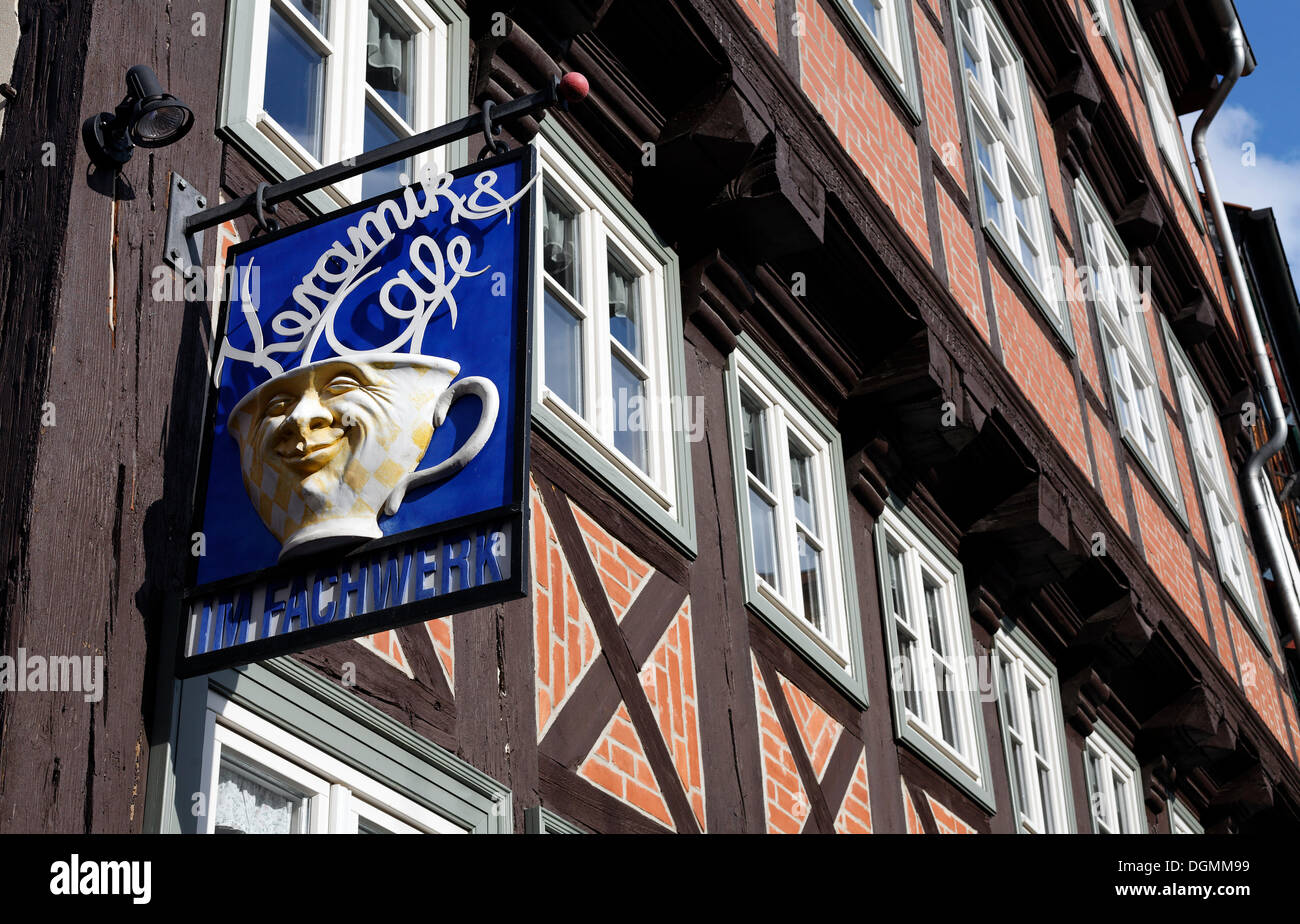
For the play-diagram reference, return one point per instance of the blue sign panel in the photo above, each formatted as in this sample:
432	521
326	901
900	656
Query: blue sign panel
365	459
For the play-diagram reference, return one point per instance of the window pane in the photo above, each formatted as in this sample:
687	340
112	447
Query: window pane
624	307
894	577
629	412
934	612
1125	822
560	244
910	673
389	61
313	10
563	347
1036	722
1096	801
1007	694
984	152
1027	257
249	802
907	673
1045	799
1022	203
945	682
382	179
762	522
810	582
294	91
966	14
992	204
752	423
801	479
869	10
1018	779
1006	107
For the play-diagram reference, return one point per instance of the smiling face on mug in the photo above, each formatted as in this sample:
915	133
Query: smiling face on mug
326	443
314	427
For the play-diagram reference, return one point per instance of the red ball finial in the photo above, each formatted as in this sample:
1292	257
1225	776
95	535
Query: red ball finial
573	87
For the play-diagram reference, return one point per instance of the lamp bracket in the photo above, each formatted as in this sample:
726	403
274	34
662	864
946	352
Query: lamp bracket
183	252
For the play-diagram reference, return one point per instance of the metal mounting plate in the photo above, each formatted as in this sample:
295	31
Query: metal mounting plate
184	254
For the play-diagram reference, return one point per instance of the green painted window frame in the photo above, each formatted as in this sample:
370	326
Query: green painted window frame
539	820
678	527
328	717
1053	286
1023	645
908	91
850	678
1125	755
979	787
1181	812
238	126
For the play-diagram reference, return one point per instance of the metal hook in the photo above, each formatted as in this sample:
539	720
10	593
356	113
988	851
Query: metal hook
491	145
259	210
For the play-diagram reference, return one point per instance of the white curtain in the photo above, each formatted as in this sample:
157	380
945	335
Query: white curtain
383	53
245	806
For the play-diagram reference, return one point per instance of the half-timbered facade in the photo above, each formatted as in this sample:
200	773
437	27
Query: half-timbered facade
930	519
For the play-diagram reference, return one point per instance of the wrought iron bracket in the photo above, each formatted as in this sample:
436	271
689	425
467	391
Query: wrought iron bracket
183	249
560	92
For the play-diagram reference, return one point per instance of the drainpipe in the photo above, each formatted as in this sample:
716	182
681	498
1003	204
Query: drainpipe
1255	494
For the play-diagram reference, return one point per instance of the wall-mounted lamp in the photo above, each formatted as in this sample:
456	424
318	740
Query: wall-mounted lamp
148	116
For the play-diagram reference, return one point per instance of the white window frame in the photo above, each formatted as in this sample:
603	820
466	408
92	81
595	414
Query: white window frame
1278	526
922	557
663	493
1024	667
1126	345
890	47
1102	18
1168	132
1104	799
330	737
837	649
1215	483
1181	819
782	425
600	230
336	796
439	54
1013	156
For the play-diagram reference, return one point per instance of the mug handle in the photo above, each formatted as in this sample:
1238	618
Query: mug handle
486	392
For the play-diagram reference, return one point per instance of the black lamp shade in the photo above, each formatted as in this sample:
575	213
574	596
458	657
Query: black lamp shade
160	122
148	116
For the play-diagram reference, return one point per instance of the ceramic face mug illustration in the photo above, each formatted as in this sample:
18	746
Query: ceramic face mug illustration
327	447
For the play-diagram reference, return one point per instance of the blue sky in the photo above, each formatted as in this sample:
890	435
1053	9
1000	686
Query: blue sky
1264	110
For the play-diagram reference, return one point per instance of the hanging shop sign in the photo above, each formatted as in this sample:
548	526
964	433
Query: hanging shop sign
365	453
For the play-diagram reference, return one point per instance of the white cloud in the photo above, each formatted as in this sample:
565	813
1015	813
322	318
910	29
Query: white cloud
1236	138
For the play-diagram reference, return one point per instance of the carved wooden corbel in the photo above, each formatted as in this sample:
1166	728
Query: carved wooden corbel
714	296
1158	779
1251	791
1192	730
1071	107
1140	222
867	483
1082	695
1195	321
